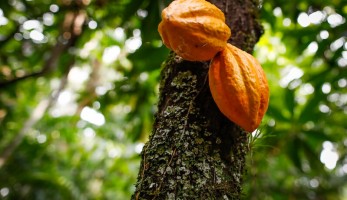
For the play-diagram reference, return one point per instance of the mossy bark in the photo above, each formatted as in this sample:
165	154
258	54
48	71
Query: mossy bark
194	151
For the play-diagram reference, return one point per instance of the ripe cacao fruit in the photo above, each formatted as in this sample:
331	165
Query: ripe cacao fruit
239	87
194	29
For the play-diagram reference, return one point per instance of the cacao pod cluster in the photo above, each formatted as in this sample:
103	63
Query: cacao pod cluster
196	31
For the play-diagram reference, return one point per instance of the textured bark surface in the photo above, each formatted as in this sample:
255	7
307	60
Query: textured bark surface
194	152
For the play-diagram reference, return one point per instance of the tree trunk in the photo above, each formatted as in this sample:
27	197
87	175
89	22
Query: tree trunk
195	152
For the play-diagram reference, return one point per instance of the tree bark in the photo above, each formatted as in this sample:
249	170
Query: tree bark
194	151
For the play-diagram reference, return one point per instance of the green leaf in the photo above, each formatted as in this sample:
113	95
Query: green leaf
289	99
130	10
149	58
148	31
293	152
277	113
313	157
310	112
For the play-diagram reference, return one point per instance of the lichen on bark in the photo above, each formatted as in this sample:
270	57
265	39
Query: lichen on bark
185	158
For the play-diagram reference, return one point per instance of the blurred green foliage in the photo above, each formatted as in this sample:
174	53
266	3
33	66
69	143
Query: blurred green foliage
304	134
79	86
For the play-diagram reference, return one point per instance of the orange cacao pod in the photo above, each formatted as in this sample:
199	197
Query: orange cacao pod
194	29
239	87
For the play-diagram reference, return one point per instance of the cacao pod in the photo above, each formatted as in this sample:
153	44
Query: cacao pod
194	29
239	87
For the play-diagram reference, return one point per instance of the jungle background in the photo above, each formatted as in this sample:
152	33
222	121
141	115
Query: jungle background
79	87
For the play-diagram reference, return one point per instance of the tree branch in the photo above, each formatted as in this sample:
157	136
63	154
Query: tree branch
194	151
74	26
36	115
72	22
48	66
